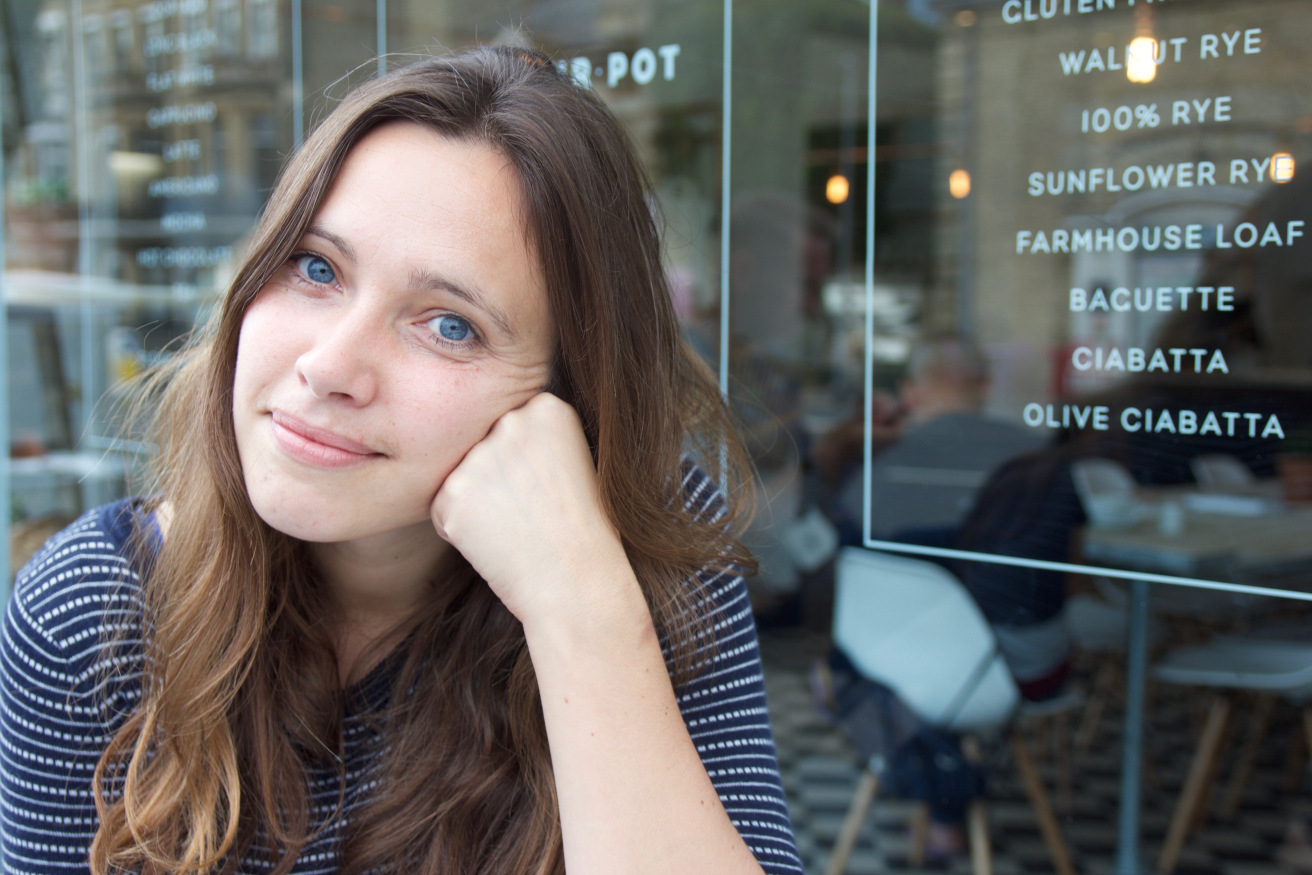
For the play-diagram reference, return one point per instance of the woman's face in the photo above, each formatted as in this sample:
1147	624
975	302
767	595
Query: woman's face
412	316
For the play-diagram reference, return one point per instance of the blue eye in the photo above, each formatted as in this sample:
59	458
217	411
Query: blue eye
316	268
453	328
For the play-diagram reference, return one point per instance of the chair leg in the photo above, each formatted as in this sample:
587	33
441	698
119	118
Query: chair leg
1194	785
1065	764
1061	860
1203	807
977	825
1104	683
1038	740
977	819
919	836
856	815
1247	758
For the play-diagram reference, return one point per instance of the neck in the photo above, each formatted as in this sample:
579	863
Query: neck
376	585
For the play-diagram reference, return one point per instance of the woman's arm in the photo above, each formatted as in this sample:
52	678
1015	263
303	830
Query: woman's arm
634	794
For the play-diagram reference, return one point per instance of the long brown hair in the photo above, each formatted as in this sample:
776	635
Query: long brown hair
240	685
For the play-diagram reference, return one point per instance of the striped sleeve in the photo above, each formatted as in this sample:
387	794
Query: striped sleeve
725	711
55	715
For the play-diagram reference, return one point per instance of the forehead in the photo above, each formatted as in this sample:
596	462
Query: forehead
410	168
416	203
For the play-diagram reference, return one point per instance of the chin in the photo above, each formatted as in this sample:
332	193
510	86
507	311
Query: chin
297	525
321	520
306	518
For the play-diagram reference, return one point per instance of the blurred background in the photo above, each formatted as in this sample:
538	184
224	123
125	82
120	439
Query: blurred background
1018	291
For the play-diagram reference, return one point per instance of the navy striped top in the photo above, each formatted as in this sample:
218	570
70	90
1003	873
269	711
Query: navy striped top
62	697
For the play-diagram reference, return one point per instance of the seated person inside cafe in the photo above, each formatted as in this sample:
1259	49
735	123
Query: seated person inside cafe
1029	508
426	580
924	490
923	482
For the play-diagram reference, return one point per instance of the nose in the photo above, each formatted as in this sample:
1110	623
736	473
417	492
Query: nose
339	361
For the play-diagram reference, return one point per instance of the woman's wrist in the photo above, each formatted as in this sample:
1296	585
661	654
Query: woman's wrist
607	616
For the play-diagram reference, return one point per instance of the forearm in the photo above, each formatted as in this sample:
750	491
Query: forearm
634	795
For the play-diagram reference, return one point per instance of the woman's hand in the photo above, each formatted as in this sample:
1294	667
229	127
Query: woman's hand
524	508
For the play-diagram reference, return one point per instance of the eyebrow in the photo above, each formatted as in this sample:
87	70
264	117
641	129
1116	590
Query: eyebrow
429	281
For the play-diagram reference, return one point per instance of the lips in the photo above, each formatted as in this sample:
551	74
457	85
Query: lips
319	447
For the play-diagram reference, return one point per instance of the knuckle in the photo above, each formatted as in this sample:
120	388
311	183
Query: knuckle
556	410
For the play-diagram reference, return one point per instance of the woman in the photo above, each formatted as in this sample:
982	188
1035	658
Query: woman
425	568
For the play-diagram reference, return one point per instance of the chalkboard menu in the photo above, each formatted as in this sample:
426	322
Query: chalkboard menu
1126	195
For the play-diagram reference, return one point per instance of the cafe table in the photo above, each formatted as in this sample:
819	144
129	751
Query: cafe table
1242	545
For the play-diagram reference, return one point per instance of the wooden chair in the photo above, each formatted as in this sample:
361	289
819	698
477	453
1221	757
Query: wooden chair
912	626
1272	668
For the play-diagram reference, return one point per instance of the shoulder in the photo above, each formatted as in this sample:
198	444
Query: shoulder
63	691
724	706
720	590
972	426
959	440
718	593
80	585
702	496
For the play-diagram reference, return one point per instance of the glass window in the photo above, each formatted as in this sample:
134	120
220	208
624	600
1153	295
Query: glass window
1019	288
262	29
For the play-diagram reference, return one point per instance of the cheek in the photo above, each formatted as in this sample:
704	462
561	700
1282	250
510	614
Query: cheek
265	346
442	425
439	427
247	362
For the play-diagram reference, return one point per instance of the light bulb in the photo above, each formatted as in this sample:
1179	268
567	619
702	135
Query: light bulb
959	183
1282	167
837	189
1140	62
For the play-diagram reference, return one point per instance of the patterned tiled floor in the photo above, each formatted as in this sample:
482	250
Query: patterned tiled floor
820	774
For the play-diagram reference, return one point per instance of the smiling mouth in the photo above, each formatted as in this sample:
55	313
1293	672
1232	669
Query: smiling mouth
316	446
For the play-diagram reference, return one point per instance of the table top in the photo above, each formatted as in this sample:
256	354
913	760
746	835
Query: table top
1196	537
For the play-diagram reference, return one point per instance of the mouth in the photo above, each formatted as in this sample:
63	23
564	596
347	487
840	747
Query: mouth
318	447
